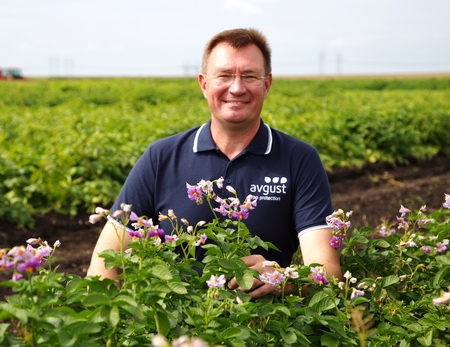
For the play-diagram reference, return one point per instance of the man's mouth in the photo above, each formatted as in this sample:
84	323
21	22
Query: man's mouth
236	102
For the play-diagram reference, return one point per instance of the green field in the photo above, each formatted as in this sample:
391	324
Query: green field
69	143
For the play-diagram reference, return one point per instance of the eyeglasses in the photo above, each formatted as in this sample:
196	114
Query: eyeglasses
249	80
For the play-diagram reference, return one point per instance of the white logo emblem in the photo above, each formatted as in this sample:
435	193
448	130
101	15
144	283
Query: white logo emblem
273	185
275	180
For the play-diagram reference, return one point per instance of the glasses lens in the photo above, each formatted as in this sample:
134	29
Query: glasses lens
249	80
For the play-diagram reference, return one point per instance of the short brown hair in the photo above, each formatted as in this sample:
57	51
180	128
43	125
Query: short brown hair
239	38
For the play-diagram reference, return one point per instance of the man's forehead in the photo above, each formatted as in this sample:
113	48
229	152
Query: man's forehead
225	57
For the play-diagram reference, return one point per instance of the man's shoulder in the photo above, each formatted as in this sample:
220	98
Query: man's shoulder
285	140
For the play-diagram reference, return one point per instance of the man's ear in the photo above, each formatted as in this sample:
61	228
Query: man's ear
202	82
267	85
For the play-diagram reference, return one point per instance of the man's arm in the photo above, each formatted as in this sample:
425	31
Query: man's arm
315	248
108	239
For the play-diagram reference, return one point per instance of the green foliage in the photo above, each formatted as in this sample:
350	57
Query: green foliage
395	292
70	143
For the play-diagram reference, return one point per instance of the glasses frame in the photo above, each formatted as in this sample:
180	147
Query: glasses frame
219	78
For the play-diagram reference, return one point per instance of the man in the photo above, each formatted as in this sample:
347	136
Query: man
285	173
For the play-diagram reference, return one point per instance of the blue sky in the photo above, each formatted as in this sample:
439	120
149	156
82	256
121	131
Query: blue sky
166	37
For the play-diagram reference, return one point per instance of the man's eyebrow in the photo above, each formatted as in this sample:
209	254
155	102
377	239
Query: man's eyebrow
249	71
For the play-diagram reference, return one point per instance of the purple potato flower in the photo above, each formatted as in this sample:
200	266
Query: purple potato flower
356	293
216	281
335	242
194	193
202	240
171	238
446	204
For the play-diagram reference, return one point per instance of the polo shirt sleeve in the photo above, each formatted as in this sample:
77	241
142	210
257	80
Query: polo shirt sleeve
312	201
138	188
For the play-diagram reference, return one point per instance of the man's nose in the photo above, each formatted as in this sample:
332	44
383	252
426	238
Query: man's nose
237	85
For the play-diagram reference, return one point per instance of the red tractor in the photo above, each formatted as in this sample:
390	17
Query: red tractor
10	74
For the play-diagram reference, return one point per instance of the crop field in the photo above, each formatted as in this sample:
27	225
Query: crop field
69	143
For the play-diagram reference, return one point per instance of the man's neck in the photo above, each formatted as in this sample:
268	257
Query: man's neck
233	140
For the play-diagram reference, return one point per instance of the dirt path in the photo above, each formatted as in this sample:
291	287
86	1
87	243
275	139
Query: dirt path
372	193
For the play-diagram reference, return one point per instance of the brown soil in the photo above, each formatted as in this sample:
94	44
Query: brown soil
372	193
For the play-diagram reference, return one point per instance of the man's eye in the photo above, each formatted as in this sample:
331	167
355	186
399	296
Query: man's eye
250	77
224	76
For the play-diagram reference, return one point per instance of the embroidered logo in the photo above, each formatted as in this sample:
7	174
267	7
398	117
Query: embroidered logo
273	185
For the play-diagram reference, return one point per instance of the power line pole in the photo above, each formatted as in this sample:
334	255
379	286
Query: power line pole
321	63
339	63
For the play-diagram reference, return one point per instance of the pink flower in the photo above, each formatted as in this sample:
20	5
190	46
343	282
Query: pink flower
426	249
422	222
356	293
384	232
403	210
240	214
322	280
223	206
402	223
446	204
205	186
273	278
17	276
442	300
219	182
29	265
249	202
136	234
18	253
155	231
319	271
441	247
337	224
202	240
194	193
139	221
335	242
171	238
216	281
6	263
291	272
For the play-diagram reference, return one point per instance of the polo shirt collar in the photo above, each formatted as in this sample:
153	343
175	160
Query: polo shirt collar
261	143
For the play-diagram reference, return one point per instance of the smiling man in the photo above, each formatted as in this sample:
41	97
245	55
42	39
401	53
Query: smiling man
285	173
235	82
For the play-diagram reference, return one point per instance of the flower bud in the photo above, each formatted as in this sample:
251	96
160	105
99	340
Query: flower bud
126	207
94	218
171	214
33	241
117	214
101	211
231	190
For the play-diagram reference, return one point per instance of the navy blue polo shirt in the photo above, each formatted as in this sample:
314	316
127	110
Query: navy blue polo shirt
285	173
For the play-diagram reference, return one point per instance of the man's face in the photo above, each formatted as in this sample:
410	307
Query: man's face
235	100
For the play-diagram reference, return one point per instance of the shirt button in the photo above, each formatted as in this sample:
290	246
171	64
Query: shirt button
228	181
